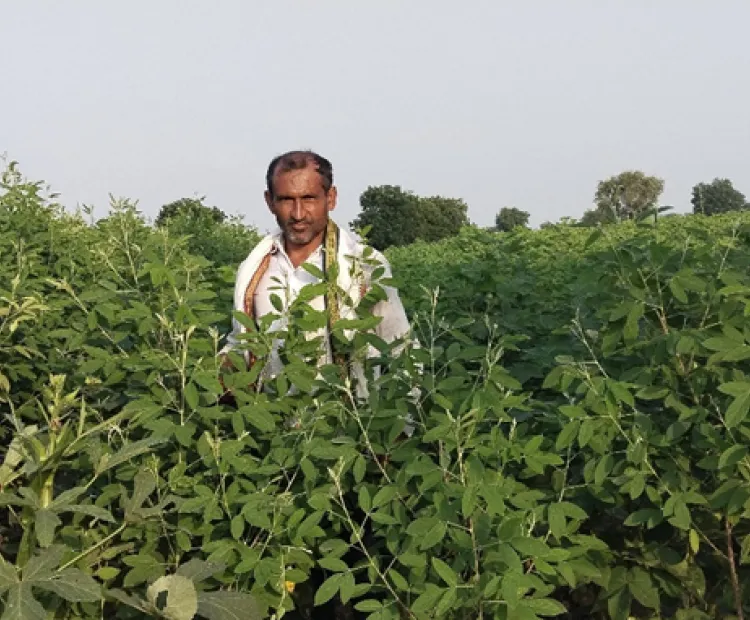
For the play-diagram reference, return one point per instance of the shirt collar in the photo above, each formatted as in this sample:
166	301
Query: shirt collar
278	248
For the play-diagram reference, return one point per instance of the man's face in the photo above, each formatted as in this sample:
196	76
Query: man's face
301	205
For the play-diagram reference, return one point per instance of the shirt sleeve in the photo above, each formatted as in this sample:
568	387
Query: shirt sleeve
394	323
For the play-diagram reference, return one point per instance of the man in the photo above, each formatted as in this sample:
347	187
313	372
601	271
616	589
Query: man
300	194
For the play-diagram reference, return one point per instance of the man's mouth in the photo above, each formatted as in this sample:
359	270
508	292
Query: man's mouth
298	227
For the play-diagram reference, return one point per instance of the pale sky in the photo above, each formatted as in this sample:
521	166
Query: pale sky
522	103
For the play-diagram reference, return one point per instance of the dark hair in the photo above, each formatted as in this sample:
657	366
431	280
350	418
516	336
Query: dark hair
299	160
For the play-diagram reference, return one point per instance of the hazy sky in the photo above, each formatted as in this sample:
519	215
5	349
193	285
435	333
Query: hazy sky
524	103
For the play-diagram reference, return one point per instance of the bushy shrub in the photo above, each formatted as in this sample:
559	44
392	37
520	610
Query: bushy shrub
611	484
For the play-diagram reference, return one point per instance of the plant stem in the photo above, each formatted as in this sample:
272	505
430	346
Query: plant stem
94	547
733	570
363	546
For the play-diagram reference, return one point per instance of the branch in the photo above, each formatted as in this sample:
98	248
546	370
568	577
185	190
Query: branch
733	570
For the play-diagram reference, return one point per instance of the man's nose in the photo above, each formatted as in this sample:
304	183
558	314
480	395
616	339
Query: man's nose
297	211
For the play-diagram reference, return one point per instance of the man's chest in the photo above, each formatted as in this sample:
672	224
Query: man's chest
284	281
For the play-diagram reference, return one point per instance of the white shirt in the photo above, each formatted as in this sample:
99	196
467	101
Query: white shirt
286	281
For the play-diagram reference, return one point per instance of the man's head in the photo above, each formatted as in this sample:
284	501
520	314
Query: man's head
300	193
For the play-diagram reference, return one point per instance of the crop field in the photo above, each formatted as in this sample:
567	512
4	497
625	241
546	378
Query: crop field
580	400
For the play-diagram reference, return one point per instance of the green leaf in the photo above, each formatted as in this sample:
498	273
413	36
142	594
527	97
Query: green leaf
313	270
447	601
191	395
67	497
642	588
738	354
8	576
719	344
364	501
621	393
695	542
510	558
744	550
197	570
637	485
733	455
469	501
333	564
209	383
383	519
735	388
681	517
130	451
428	599
182	598
359	468
45	523
530	547
677	290
328	589
42	566
573	411
228	606
144	485
545	606
652	392
368	604
619	603
398	580
651	516
384	495
105	573
556	518
446	572
630	330
21	604
603	467
259	418
413	560
346	590
73	585
573	511
89	510
433	536
237	526
737	411
567	435
586	433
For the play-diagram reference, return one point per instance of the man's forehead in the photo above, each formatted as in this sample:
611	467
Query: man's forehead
303	179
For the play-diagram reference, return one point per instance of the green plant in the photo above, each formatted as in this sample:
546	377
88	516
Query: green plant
580	413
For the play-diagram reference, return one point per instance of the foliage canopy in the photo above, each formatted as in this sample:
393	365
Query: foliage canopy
581	409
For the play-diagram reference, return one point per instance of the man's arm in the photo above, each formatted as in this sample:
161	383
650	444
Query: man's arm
394	323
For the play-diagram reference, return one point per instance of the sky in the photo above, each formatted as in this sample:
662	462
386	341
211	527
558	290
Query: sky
501	103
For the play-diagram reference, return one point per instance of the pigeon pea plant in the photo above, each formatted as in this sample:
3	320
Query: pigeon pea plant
133	484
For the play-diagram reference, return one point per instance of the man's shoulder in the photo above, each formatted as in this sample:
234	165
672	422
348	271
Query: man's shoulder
263	246
359	247
256	255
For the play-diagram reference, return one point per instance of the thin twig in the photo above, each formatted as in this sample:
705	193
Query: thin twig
733	571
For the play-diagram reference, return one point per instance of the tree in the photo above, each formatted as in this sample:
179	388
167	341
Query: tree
719	196
594	217
440	217
509	218
192	208
627	195
208	231
398	217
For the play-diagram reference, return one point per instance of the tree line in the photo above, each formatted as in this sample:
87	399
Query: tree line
391	216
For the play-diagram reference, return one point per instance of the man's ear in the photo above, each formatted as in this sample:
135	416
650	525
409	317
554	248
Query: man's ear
269	199
333	195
